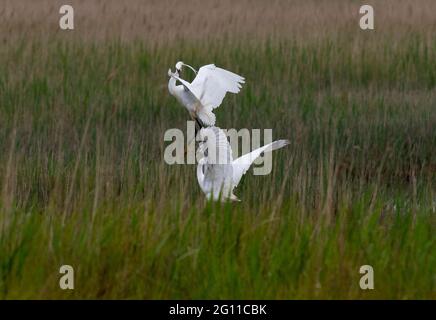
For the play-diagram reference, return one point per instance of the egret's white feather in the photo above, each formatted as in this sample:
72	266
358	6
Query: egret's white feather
217	173
214	170
243	163
212	83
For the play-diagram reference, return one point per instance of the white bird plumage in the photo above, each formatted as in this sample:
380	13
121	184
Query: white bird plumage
217	173
206	92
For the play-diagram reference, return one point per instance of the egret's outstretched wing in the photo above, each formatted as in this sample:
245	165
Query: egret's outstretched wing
186	84
212	83
210	87
243	163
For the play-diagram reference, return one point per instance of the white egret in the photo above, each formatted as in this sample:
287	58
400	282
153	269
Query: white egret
205	93
217	173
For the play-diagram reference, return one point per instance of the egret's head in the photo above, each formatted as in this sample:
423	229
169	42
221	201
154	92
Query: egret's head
179	66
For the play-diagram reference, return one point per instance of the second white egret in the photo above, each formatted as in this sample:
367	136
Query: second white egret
217	173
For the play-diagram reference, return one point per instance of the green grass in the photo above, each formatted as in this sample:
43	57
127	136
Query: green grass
83	181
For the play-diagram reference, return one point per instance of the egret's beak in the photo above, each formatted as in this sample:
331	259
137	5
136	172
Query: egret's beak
190	67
